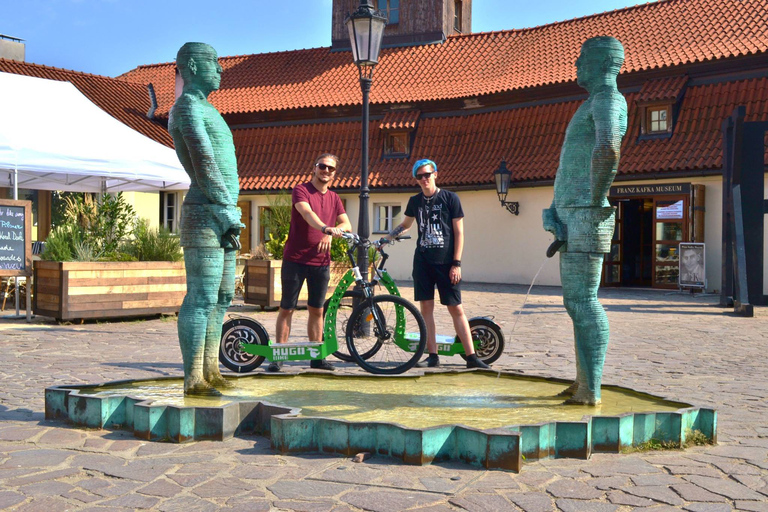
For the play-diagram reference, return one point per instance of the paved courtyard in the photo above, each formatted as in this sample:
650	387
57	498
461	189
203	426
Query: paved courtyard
668	344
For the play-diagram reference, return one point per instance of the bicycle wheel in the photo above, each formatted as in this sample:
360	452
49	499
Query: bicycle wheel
342	320
397	317
491	339
233	333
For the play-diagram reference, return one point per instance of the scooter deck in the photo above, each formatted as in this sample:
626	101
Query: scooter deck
293	351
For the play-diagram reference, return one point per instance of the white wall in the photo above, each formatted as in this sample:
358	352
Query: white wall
509	249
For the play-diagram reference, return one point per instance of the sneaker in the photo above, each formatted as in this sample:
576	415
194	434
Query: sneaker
433	361
321	364
275	366
474	362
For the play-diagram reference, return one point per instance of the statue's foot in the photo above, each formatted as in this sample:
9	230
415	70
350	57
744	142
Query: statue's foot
218	381
199	387
582	398
570	390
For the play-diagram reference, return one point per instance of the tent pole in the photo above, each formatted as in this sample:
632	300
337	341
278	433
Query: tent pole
16	198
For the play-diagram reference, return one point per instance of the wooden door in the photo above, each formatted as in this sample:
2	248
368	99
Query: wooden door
245	233
613	260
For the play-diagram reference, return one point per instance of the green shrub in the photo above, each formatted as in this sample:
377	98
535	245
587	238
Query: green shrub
151	244
60	244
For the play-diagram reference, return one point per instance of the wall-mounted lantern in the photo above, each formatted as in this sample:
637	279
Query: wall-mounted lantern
503	177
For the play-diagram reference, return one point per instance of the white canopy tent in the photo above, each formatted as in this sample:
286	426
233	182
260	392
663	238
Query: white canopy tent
57	139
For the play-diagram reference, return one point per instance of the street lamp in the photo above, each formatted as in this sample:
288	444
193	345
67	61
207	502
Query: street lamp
503	177
366	28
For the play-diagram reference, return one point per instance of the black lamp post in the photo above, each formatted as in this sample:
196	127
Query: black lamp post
366	29
503	177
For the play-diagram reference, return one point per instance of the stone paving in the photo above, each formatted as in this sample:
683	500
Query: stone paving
670	344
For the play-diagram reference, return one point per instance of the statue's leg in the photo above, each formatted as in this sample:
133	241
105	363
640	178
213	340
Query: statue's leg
580	275
203	268
226	292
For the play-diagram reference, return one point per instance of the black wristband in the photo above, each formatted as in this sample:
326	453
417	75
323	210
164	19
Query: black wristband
323	230
456	263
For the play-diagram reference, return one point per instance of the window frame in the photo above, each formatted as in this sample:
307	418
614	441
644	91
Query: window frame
391	217
457	14
385	6
176	211
390	136
649	121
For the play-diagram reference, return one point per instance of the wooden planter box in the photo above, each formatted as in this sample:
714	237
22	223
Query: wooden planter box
72	290
263	287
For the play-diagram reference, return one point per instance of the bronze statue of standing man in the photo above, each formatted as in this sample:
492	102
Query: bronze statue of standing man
210	219
580	217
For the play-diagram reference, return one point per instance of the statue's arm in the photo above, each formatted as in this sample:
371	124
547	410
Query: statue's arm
204	165
609	112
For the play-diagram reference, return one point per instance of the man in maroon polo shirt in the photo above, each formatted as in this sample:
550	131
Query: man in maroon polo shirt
317	215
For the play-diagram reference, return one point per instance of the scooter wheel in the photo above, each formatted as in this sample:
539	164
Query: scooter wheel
235	332
491	339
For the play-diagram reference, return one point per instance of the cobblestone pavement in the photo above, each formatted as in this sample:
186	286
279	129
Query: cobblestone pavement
669	344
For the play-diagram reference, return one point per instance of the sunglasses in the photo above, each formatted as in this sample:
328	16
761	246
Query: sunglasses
323	167
424	175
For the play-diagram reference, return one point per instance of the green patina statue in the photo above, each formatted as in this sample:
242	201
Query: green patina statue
210	219
580	217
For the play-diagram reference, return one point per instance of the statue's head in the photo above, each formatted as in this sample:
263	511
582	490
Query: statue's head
600	61
199	65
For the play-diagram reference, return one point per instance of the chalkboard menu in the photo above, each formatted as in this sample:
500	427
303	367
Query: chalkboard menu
15	234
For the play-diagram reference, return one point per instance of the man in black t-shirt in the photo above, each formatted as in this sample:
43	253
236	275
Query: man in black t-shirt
437	260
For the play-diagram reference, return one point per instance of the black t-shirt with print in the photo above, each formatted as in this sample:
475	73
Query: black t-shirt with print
434	217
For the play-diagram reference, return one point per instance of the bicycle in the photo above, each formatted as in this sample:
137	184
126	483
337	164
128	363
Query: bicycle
385	334
487	336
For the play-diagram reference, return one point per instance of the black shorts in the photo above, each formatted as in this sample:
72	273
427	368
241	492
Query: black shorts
428	275
293	276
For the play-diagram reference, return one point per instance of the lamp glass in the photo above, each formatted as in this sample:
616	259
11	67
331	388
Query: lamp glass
365	34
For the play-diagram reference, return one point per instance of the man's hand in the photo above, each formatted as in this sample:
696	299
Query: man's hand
455	274
325	243
333	231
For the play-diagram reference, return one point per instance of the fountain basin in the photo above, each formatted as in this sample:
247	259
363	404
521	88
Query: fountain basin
484	418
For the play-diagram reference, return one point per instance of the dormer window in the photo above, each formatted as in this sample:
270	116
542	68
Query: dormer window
397	144
399	127
658	102
391	8
658	119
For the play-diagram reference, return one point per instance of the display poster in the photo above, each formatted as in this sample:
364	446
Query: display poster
673	211
692	266
15	234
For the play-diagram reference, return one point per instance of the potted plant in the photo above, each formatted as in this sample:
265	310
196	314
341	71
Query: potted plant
102	262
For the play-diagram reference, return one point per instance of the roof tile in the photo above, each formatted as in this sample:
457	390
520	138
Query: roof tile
655	35
529	139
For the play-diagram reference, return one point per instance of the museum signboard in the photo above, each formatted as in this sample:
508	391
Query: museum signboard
650	190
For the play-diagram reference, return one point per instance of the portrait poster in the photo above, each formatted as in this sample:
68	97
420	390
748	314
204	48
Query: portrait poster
692	265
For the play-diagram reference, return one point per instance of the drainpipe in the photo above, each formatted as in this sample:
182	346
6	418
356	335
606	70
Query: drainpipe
152	101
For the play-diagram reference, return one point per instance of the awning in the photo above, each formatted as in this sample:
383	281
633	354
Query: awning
57	139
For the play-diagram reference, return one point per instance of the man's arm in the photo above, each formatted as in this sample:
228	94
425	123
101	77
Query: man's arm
342	223
400	228
609	111
458	249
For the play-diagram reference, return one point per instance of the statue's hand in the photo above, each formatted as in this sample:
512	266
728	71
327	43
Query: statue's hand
552	224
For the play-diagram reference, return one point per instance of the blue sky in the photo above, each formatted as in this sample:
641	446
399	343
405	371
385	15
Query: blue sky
109	37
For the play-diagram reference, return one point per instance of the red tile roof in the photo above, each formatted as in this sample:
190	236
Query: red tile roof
530	138
126	101
662	89
400	120
655	35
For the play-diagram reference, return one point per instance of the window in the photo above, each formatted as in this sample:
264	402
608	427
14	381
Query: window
170	211
657	119
385	216
397	144
457	16
392	9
